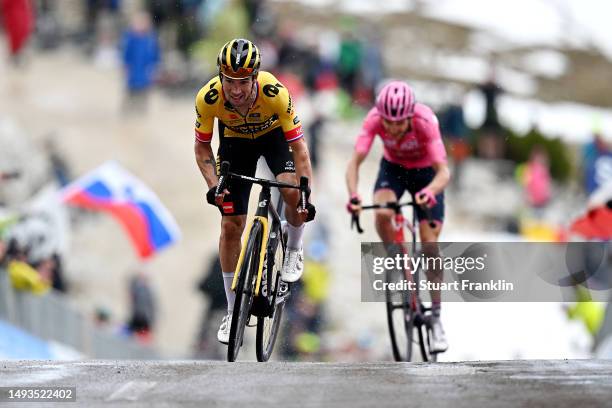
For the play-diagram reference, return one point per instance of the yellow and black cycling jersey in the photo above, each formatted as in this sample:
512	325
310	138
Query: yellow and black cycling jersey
272	108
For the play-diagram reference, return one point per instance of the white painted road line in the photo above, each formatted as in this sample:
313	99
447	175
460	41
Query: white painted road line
131	390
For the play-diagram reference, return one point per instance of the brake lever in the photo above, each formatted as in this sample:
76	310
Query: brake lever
223	175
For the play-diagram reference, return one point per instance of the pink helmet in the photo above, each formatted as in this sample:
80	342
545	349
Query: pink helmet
395	101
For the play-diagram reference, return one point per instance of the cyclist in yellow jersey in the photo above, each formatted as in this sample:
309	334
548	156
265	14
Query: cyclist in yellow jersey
256	117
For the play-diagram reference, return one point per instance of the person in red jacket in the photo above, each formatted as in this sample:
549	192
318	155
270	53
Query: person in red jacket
18	22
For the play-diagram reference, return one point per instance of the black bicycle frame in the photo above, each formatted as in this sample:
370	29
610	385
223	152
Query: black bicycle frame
261	304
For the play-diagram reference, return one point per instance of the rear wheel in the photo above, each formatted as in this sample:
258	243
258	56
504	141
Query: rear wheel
268	326
245	290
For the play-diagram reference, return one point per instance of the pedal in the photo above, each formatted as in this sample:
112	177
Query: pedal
283	292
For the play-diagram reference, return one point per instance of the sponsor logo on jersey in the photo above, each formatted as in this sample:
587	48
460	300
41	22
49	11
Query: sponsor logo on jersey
197	124
271	90
296	120
290	105
248	128
211	96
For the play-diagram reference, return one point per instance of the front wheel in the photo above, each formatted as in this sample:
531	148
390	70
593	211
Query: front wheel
245	288
399	319
268	326
425	334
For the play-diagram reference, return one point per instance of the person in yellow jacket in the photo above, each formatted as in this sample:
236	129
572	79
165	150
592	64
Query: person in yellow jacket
25	278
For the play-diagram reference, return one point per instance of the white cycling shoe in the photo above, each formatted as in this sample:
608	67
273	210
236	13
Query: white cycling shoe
224	330
438	337
293	266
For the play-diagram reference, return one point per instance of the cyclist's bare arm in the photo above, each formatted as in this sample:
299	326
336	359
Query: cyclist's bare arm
437	184
206	162
352	171
301	158
441	179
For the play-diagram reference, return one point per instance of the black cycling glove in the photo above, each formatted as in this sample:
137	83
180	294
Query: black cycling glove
312	211
210	196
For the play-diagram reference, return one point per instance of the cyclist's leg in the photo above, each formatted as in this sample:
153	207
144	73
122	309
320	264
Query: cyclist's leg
419	178
280	160
388	187
235	206
416	180
229	242
429	237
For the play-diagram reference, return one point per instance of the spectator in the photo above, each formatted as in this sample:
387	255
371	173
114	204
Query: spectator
48	30
305	307
24	277
3	248
59	167
596	162
141	56
314	131
454	129
349	63
142	302
94	9
537	178
18	20
50	269
491	142
212	289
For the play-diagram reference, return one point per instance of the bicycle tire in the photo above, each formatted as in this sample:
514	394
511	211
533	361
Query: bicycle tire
268	326
400	322
424	344
245	288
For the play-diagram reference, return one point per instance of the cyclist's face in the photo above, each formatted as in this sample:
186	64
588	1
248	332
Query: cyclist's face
396	128
237	91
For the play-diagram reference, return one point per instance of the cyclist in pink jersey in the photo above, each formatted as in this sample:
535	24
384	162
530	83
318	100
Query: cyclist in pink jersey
414	160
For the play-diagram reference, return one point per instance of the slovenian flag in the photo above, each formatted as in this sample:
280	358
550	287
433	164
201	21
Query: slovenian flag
112	189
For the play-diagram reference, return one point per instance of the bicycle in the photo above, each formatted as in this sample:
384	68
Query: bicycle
259	290
413	315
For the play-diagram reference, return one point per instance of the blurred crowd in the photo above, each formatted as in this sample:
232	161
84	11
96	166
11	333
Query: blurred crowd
172	44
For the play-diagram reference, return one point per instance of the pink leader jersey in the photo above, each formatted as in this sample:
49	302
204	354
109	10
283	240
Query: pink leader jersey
420	147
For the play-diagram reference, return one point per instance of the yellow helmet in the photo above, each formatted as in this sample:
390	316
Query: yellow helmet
238	59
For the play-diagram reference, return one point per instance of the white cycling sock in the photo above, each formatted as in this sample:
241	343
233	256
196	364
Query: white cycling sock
230	296
294	236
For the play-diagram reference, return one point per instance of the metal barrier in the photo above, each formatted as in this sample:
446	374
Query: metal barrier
51	317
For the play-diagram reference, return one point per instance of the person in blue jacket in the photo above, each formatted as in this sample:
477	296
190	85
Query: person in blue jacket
141	57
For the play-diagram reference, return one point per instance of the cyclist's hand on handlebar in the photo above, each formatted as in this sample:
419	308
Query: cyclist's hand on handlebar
305	208
354	204
426	198
213	199
308	213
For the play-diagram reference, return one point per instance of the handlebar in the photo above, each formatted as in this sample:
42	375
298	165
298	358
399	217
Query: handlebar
393	205
225	175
